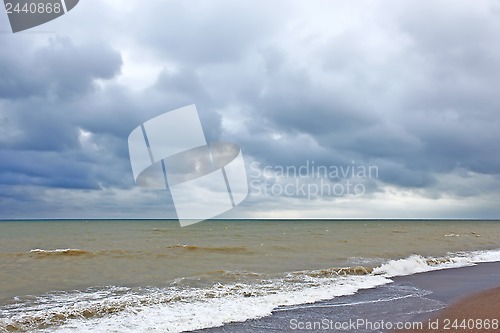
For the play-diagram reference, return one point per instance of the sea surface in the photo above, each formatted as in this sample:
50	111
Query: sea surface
146	276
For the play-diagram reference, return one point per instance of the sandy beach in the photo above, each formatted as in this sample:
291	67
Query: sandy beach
479	312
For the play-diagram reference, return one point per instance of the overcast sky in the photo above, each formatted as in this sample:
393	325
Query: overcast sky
408	87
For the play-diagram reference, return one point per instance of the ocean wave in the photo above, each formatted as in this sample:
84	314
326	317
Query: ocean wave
221	249
419	264
180	307
338	271
60	252
174	309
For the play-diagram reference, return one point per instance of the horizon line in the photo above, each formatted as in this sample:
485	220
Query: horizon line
251	219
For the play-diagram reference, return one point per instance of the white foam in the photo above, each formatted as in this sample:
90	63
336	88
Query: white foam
485	256
179	317
407	266
55	251
418	264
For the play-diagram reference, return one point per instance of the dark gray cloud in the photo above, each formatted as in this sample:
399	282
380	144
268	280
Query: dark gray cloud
44	91
58	70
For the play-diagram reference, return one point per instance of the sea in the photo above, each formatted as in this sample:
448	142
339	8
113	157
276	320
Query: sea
154	276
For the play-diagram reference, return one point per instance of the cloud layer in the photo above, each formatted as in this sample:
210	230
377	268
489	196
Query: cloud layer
410	88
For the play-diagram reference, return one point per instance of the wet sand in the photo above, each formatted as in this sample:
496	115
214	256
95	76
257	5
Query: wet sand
459	293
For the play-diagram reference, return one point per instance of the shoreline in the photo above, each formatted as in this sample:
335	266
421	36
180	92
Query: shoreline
419	298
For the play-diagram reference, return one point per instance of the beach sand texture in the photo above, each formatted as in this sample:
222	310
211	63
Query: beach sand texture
475	313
